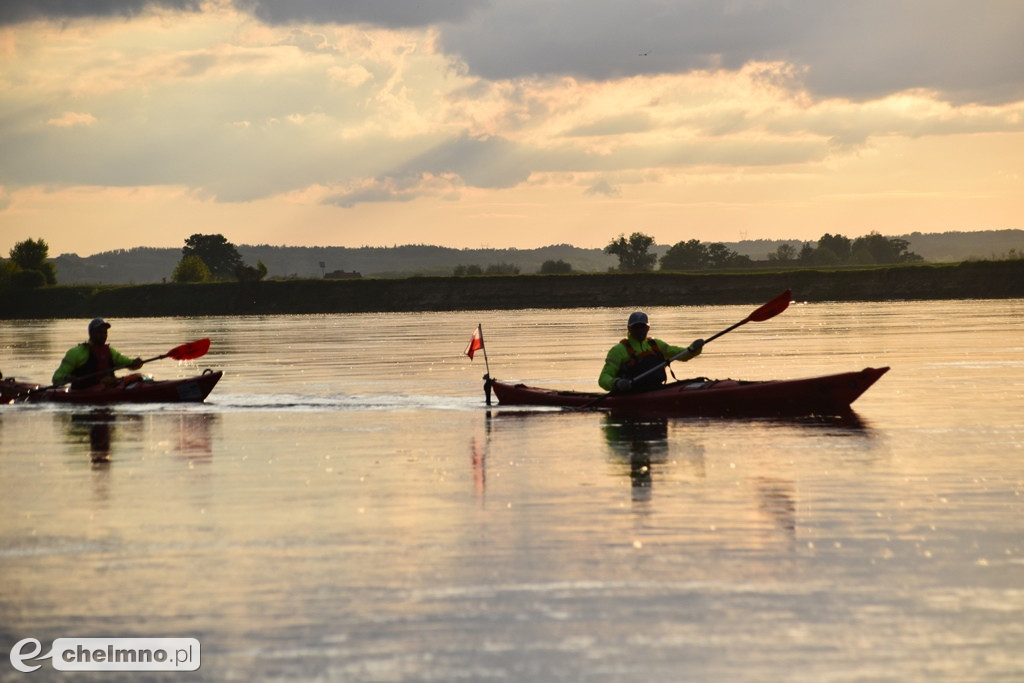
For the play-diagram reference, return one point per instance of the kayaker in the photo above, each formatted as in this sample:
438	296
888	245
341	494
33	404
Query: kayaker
93	361
638	353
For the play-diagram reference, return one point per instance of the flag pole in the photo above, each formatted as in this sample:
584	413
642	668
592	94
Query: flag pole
483	347
487	364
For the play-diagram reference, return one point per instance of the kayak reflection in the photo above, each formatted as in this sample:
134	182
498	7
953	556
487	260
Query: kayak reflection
191	435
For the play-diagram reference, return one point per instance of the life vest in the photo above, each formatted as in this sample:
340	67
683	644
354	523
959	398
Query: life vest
94	369
640	362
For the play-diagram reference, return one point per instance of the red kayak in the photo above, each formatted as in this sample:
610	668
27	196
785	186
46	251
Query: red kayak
825	395
133	389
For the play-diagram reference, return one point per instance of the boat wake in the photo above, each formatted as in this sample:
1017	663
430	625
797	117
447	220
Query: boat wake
222	403
306	403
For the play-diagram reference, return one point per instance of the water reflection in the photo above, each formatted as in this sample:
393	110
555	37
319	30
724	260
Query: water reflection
478	459
93	429
641	444
98	432
193	435
656	449
776	499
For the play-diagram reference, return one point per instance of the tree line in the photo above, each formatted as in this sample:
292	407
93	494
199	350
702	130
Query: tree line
212	257
549	267
206	258
830	250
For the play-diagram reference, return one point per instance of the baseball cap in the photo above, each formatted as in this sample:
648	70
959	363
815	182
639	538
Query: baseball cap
637	318
97	323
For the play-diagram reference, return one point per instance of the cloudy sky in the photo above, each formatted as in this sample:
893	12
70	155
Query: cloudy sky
506	123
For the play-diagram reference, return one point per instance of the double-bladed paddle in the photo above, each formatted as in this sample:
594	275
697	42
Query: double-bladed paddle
187	351
764	312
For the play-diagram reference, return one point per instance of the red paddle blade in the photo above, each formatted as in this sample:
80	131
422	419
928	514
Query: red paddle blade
190	350
772	308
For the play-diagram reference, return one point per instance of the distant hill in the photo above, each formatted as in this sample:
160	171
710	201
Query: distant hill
147	265
143	265
949	247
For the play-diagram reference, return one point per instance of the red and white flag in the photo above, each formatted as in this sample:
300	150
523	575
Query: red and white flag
476	342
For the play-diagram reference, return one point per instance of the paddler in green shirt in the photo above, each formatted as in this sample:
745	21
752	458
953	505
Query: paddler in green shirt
638	353
94	361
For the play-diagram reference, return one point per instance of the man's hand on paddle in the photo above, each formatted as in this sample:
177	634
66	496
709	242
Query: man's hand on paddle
622	385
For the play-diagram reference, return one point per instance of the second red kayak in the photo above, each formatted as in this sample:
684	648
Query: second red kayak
131	390
824	395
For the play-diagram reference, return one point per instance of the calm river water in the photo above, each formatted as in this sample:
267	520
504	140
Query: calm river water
345	508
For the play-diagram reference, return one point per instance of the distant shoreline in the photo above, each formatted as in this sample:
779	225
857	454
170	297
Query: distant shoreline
969	280
153	265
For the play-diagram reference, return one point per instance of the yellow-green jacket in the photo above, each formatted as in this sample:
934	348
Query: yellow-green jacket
621	363
83	360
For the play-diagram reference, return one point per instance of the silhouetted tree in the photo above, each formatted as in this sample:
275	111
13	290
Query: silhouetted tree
837	244
255	273
823	256
883	250
690	255
191	268
219	255
721	256
502	269
806	252
552	267
29	257
632	253
785	253
8	269
694	255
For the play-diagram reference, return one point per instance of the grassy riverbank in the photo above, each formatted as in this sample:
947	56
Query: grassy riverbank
970	280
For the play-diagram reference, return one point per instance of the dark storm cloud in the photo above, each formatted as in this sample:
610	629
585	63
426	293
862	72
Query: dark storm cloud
858	49
385	13
15	11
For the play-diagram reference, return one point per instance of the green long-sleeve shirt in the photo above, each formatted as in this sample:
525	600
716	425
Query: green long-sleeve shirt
618	355
78	356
